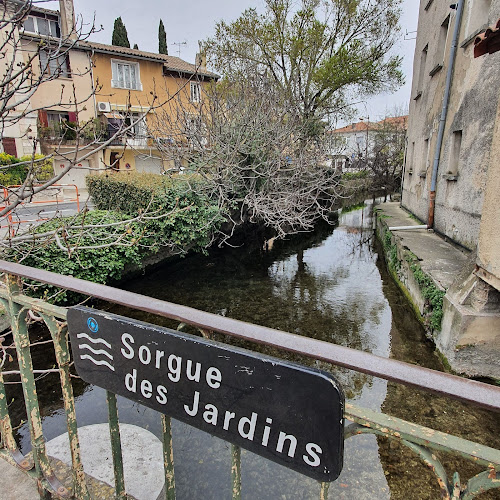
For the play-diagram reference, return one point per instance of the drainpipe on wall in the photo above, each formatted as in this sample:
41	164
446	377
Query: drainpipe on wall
444	111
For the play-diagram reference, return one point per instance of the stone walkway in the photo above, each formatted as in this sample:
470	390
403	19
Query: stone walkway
15	484
442	260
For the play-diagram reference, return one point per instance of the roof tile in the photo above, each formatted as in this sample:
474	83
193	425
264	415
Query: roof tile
170	62
488	42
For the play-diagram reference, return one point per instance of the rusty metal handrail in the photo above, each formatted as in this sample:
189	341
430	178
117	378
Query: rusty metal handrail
420	440
479	393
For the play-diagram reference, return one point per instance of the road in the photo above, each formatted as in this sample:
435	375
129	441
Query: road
33	214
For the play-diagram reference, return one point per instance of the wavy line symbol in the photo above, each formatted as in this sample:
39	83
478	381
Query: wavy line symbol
99	348
94	341
96	351
96	361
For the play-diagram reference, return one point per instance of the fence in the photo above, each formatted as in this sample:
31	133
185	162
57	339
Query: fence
54	194
423	441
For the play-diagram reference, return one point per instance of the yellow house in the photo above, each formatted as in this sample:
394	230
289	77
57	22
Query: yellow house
123	94
140	90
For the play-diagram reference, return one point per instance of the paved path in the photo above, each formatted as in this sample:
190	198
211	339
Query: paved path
15	484
438	258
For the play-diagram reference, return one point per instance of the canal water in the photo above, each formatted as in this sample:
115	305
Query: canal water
331	285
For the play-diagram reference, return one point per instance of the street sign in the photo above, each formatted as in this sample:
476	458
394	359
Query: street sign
282	411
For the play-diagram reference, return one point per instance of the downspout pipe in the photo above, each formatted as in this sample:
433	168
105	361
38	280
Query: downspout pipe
444	112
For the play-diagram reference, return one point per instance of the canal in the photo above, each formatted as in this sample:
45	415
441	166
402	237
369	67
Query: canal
331	285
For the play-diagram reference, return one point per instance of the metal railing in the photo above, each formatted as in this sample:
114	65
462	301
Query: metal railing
52	196
421	440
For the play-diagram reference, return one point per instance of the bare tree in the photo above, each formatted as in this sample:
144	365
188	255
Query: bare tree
254	152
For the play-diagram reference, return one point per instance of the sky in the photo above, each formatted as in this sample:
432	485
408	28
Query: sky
186	23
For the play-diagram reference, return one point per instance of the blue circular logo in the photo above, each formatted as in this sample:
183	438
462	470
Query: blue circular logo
92	324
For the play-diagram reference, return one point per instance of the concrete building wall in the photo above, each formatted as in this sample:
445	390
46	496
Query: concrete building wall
465	153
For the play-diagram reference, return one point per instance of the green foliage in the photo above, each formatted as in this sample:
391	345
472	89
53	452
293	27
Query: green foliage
179	215
351	208
14	174
92	130
162	39
60	130
120	37
431	293
348	176
136	47
18	168
318	53
99	263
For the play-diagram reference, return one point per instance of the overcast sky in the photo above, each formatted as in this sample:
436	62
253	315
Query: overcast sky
188	22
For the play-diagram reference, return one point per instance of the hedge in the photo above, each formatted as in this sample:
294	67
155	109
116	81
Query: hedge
176	211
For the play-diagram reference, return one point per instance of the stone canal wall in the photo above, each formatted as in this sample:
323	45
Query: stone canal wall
459	314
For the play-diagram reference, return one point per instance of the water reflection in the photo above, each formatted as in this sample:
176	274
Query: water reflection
331	286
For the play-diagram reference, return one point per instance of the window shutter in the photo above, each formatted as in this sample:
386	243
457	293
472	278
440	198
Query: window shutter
42	118
72	117
9	146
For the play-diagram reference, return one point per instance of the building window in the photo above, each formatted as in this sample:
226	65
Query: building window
421	70
443	36
195	92
456	146
54	65
42	26
478	17
125	75
139	129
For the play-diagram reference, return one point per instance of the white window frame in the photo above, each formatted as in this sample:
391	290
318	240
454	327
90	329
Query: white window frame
55	66
195	94
115	83
52	23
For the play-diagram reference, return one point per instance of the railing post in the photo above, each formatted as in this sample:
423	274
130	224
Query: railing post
168	457
236	471
116	445
59	334
22	342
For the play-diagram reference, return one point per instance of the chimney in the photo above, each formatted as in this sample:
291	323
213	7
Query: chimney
201	59
67	15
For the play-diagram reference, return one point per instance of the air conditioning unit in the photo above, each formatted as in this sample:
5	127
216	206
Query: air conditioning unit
103	107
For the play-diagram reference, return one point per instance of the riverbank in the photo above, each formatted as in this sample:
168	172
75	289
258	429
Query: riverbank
438	279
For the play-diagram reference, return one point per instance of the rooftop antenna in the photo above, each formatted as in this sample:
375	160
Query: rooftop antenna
179	47
407	37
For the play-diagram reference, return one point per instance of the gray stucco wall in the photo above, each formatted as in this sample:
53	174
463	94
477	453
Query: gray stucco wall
474	97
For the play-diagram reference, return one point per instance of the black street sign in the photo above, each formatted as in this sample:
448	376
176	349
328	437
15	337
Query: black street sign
282	411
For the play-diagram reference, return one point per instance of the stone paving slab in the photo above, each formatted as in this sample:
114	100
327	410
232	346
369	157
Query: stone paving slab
15	484
442	260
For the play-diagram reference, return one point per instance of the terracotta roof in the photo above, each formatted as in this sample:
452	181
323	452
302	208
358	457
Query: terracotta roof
362	126
170	62
488	42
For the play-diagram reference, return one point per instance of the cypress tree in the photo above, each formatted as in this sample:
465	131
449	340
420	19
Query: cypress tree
120	37
162	39
136	46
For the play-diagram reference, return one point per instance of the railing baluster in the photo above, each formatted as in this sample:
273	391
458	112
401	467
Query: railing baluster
63	357
168	457
323	494
22	342
116	445
236	471
8	440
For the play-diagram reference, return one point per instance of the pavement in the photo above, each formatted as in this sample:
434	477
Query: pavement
15	484
441	259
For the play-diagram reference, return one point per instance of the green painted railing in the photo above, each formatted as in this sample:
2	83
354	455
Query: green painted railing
423	441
